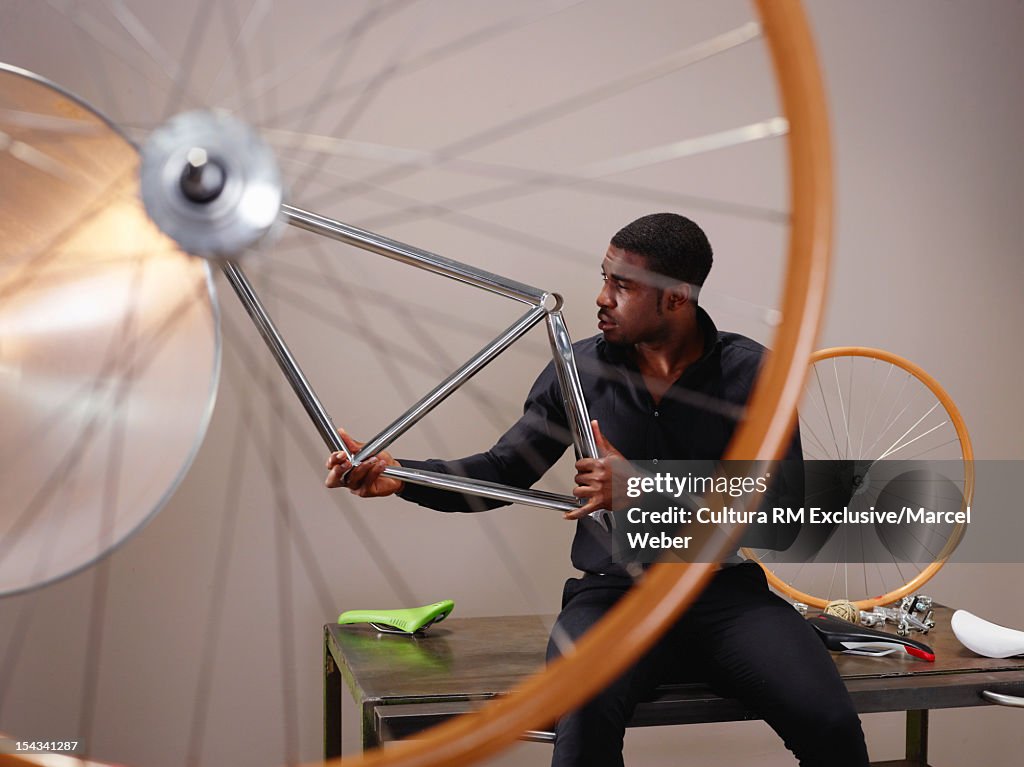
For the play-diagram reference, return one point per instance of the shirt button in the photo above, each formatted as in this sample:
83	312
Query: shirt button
655	413
655	460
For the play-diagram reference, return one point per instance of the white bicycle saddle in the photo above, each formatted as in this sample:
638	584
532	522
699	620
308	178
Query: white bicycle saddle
986	638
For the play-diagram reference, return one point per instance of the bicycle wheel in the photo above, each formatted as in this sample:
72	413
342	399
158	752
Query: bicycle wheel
878	432
793	302
71	322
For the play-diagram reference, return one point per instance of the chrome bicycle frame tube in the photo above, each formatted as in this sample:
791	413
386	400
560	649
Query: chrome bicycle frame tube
572	390
572	396
412	416
407	254
247	295
538	498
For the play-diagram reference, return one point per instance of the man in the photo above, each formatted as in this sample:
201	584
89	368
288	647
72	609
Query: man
662	383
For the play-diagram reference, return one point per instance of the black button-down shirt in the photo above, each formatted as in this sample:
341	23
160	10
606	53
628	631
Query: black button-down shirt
694	420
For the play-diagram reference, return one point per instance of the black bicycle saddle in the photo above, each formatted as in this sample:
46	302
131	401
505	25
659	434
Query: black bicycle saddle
843	636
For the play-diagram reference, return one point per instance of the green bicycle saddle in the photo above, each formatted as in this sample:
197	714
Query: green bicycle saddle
410	620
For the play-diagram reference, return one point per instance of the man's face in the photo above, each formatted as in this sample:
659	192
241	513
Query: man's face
629	306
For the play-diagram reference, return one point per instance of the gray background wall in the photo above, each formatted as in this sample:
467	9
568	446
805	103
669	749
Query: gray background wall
924	98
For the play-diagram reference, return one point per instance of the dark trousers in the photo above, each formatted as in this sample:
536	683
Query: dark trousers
741	639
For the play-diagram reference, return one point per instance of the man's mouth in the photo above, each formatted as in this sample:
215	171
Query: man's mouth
604	322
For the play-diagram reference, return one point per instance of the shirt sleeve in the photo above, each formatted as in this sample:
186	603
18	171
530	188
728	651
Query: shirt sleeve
522	455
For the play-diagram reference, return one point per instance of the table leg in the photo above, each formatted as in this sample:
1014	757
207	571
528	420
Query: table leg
370	737
332	704
917	737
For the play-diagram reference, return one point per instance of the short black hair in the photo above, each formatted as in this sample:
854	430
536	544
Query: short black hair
672	244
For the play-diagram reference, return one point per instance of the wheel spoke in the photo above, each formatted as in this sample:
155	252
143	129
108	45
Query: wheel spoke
568	105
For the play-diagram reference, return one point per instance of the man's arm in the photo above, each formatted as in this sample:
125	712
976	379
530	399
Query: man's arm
519	458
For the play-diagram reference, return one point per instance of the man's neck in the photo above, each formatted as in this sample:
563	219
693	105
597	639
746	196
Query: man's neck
666	358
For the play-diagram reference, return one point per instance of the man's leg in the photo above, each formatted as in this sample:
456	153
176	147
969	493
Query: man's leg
592	735
764	653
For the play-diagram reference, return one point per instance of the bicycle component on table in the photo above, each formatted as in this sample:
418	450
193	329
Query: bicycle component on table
986	638
912	614
411	620
843	636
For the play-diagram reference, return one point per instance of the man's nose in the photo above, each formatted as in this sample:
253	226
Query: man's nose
604	298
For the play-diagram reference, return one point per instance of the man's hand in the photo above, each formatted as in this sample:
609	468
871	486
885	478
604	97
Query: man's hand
594	477
365	480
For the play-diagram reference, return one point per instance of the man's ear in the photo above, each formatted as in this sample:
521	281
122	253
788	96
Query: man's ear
678	296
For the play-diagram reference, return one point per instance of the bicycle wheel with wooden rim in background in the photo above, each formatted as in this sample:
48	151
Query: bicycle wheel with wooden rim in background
877	432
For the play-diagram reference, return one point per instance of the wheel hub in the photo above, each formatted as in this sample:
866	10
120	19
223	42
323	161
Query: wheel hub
211	184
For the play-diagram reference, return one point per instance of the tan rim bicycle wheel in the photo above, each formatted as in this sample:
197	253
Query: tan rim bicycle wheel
869	405
667	589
